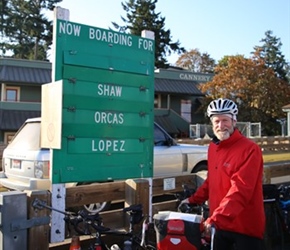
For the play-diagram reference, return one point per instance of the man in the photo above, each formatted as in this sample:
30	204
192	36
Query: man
234	183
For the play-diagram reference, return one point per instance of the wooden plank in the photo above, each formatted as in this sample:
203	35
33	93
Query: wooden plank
38	236
273	170
165	206
100	192
51	116
137	192
267	175
279	170
97	192
114	218
158	184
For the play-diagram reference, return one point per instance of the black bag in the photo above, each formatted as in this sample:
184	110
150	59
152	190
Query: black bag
270	192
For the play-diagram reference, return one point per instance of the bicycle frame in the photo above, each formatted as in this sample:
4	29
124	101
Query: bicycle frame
83	222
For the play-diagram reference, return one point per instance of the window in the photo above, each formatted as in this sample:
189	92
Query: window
10	93
186	110
157	101
8	137
28	137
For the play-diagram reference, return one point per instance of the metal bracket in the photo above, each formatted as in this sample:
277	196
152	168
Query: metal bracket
71	138
71	109
72	80
142	88
142	114
40	204
24	224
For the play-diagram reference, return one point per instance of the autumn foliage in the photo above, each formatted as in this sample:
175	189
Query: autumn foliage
259	94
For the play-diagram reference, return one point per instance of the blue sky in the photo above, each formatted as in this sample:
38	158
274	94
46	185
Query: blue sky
219	28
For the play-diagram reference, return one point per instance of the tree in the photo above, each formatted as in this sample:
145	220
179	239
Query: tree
271	53
140	16
194	61
251	84
27	32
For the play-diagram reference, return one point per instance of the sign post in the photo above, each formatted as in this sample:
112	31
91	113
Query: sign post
98	112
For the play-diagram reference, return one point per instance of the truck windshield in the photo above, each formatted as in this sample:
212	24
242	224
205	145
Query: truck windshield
28	138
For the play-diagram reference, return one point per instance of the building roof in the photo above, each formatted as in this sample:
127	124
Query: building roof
13	119
17	74
167	124
172	86
24	71
286	107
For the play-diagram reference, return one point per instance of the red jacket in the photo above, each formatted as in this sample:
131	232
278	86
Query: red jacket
234	186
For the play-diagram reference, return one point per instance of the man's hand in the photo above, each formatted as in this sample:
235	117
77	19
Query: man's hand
185	201
207	228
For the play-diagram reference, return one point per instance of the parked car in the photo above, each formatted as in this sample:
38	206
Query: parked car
26	166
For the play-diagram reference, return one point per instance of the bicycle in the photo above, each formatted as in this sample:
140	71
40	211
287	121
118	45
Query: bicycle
284	202
200	209
277	211
85	223
182	229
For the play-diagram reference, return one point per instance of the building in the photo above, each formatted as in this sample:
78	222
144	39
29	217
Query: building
21	82
286	109
177	97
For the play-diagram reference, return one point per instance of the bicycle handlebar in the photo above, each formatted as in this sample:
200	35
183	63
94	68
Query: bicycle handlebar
187	207
83	222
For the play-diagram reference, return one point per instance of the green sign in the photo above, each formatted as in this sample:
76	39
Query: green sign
104	113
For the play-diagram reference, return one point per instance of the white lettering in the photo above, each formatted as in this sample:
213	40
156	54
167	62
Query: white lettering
107	36
70	29
93	146
145	44
122	146
109	118
195	77
109	90
108	145
104	37
92	34
110	37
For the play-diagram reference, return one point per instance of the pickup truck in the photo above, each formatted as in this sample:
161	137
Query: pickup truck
26	165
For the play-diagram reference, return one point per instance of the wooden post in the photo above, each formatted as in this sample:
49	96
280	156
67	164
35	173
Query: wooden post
38	236
267	175
137	192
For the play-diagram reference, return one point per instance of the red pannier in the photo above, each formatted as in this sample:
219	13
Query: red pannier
178	231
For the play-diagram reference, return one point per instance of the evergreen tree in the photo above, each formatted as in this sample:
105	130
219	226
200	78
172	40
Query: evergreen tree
271	53
26	32
140	16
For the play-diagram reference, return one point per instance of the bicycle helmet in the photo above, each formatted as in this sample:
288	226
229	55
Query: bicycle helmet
222	106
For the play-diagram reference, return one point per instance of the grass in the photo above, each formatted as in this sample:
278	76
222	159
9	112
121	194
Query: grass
276	157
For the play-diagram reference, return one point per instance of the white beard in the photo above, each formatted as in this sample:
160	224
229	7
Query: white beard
223	135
